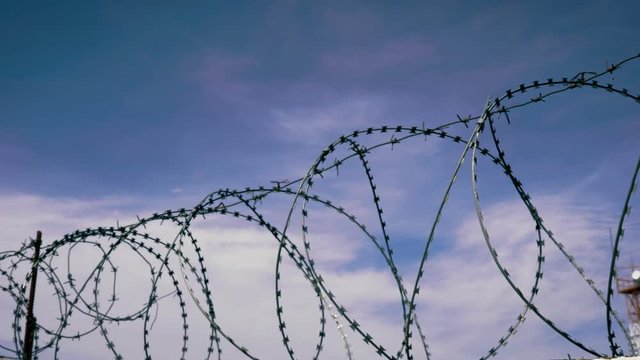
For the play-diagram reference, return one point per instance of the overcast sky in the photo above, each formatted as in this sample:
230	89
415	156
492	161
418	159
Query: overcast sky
115	109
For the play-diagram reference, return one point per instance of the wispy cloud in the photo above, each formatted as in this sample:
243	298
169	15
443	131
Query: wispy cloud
309	124
463	295
478	303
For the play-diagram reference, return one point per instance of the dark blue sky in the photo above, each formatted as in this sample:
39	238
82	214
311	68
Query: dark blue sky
118	98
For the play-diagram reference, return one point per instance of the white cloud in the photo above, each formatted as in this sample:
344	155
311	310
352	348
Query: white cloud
464	305
240	261
466	296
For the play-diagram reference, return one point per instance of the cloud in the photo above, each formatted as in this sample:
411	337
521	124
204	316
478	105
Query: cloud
23	214
466	297
463	295
311	124
241	263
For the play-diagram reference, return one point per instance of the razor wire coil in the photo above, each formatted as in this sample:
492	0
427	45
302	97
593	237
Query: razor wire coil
190	279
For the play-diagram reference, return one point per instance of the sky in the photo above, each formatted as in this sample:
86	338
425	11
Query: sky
112	110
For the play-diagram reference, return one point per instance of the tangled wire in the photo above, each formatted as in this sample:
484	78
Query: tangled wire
169	259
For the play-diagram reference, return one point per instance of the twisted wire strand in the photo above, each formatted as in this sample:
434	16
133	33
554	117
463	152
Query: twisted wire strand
168	260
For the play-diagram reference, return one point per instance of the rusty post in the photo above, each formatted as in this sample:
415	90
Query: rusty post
31	321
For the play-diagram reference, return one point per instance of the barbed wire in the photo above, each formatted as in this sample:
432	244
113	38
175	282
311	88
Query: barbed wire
180	261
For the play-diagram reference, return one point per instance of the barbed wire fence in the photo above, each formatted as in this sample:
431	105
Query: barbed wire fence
180	260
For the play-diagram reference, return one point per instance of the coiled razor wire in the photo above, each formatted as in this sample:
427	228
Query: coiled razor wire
190	278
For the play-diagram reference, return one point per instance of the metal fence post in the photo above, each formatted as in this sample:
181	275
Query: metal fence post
31	321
